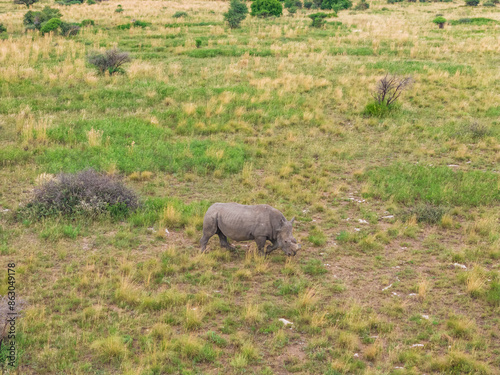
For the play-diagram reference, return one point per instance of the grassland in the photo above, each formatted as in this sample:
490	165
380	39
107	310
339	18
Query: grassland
388	210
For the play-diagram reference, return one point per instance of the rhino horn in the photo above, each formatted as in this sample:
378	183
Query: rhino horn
293	219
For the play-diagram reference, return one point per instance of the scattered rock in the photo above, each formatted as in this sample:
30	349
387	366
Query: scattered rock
453	165
285	322
417	346
357	229
363	221
166	231
387	217
425	316
356	355
458	265
412	294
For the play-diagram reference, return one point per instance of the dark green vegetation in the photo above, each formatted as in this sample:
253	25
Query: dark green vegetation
266	8
389	209
237	12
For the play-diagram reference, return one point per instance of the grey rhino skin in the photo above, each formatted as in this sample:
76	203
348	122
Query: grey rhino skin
242	223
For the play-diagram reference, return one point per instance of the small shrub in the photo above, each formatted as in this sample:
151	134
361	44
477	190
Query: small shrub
87	22
180	14
51	25
362	5
142	24
119	9
472	3
110	61
3	29
297	4
69	29
488	4
28	3
126	26
87	192
198	43
308	4
292	10
237	12
439	21
474	131
318	19
91	2
266	8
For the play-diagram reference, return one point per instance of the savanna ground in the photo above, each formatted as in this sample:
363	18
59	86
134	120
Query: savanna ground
269	113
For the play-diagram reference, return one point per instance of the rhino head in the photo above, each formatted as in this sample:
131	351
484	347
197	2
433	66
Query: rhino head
286	240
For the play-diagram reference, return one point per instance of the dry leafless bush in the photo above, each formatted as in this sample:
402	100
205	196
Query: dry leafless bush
390	88
87	192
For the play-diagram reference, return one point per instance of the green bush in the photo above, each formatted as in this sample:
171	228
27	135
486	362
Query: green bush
51	25
70	28
3	29
198	43
488	4
472	3
266	8
292	10
336	5
318	19
142	24
119	9
87	22
91	2
180	14
293	3
237	12
34	20
308	4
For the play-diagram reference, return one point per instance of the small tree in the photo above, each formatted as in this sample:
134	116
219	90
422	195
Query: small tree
28	3
237	12
266	8
472	3
439	21
110	61
3	29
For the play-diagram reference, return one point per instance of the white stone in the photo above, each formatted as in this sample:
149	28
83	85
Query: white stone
285	322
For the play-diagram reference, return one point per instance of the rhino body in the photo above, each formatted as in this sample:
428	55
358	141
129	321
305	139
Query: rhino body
239	222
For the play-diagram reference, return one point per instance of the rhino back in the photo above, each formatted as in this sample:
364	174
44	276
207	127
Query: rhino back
240	222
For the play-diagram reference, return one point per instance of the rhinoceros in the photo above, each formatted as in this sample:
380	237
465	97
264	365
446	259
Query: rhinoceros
239	222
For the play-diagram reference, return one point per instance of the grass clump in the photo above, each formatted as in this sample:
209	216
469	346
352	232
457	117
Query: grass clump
3	29
87	193
424	213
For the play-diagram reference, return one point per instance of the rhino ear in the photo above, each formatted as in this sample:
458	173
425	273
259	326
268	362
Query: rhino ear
293	219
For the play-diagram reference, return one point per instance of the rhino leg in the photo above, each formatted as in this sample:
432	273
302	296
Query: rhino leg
271	248
261	244
224	242
209	229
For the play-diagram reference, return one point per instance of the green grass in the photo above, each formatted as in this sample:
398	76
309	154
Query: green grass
440	185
